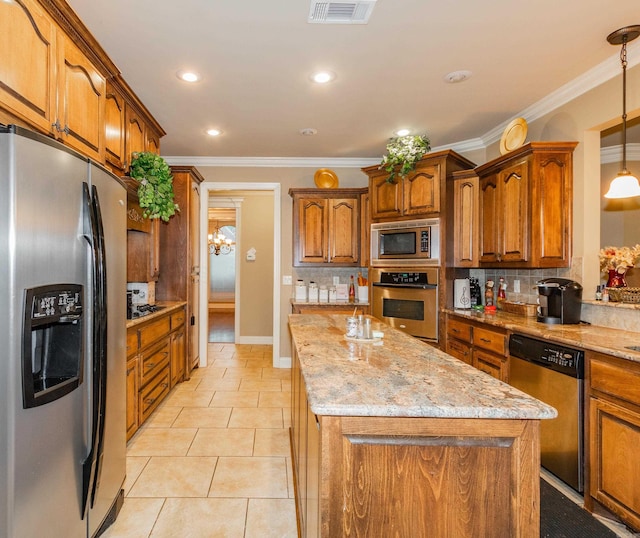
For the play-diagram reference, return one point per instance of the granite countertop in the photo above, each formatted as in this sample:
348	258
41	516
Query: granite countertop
592	337
397	376
168	307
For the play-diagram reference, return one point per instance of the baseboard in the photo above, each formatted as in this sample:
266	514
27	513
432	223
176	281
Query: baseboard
255	340
282	362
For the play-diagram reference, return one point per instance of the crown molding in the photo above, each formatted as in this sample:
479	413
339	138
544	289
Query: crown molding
613	154
600	74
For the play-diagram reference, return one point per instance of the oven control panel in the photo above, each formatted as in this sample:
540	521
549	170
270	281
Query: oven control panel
404	278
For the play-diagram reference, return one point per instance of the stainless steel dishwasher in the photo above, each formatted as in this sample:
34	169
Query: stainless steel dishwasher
554	374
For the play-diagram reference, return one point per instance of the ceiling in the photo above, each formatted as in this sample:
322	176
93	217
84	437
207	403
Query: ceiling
255	59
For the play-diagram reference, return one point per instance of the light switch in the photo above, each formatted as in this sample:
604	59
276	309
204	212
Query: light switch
516	286
287	280
251	255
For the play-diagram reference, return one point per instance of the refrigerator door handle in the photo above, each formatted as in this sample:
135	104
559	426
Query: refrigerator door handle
101	316
92	233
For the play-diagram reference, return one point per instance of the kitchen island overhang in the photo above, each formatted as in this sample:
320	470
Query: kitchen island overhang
396	438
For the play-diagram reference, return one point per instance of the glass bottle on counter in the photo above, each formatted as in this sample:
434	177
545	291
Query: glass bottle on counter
488	293
352	290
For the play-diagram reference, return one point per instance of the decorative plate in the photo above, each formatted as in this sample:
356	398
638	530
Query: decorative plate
325	179
513	136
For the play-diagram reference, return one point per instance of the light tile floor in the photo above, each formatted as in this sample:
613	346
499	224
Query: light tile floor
214	459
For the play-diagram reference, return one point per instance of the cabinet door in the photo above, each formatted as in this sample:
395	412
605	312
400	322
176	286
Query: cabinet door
114	118
312	239
27	75
466	221
422	191
344	231
365	230
552	204
132	396
153	141
193	307
312	521
386	198
512	214
81	101
178	352
134	135
614	464
489	248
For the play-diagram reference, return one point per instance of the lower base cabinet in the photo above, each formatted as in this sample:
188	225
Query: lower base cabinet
155	363
418	477
614	435
480	345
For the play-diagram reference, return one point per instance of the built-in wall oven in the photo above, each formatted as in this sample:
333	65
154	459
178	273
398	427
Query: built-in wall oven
406	299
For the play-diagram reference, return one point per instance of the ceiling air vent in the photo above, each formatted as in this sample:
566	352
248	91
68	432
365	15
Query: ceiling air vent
341	12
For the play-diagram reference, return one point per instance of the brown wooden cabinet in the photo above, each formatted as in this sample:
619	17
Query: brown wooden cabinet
180	256
526	207
464	219
478	344
143	240
55	78
329	308
420	194
327	227
155	363
48	82
613	433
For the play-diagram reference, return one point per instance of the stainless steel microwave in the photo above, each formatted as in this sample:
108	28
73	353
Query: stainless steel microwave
405	243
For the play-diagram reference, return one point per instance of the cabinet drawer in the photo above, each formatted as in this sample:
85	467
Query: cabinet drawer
151	396
153	361
490	340
132	342
154	331
459	350
459	329
491	364
177	319
615	380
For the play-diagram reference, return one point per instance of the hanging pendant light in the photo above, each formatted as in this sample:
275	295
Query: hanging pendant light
219	243
625	185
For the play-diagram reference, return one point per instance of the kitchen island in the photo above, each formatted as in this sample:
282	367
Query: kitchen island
396	438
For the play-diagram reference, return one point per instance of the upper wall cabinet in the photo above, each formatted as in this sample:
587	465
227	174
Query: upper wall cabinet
53	78
526	207
327	227
28	74
420	194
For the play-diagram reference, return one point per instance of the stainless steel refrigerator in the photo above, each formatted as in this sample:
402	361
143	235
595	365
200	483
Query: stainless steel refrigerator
62	340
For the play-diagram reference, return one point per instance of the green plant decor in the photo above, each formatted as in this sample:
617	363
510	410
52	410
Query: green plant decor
403	153
155	192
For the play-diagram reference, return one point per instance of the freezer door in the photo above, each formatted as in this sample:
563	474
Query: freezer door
111	464
41	238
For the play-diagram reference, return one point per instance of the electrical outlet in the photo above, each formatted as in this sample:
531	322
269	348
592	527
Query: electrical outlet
287	280
336	280
516	286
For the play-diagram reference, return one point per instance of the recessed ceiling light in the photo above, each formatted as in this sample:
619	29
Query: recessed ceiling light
402	132
188	76
322	77
308	131
457	76
214	132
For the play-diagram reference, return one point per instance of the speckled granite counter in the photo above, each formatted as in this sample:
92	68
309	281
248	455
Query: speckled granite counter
399	376
592	337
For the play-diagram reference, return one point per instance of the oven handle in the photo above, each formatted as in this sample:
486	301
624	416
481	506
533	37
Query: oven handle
407	286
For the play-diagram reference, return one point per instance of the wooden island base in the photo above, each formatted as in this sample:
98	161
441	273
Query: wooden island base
416	477
401	440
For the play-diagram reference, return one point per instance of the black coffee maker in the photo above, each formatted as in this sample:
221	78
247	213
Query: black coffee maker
560	300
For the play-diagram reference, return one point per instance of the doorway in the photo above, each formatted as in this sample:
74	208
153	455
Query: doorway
251	251
221	274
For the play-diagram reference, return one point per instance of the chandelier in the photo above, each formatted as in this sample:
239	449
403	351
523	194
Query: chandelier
219	243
